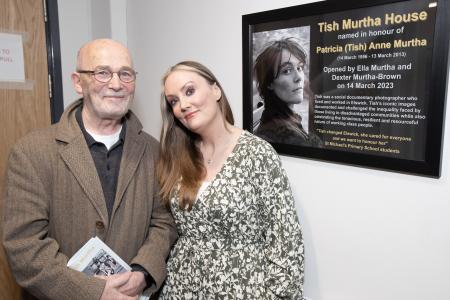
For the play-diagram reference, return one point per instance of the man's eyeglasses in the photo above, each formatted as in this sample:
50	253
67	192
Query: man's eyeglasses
104	75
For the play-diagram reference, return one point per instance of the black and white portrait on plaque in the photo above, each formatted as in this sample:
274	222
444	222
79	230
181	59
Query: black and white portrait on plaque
321	83
281	94
103	264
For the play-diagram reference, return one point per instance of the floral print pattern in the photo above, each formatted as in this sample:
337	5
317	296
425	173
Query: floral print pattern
242	238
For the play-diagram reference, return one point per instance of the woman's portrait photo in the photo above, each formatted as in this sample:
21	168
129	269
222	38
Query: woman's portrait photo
282	100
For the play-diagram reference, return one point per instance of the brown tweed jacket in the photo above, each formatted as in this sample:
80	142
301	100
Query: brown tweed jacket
54	203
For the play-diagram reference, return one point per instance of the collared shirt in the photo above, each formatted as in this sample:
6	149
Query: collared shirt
107	162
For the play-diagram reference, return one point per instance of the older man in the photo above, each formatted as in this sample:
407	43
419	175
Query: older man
91	174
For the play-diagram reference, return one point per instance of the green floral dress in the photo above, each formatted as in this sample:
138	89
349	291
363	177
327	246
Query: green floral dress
242	238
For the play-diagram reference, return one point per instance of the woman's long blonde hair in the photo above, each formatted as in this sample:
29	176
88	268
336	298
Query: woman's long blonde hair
180	159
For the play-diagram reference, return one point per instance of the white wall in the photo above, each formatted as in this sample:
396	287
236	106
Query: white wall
81	21
100	19
119	20
368	234
75	29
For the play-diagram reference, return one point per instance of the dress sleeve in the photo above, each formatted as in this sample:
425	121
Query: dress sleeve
283	251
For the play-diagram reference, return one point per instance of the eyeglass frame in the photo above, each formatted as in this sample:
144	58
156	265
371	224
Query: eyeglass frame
93	72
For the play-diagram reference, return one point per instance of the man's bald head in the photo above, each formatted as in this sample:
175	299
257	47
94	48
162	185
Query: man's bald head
102	52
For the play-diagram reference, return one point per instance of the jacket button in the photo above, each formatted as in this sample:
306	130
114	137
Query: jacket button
100	225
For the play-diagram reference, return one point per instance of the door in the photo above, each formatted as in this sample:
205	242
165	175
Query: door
23	107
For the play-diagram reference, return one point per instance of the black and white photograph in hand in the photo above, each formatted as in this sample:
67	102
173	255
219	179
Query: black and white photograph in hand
103	264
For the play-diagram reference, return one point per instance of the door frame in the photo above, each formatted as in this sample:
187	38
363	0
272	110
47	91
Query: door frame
54	59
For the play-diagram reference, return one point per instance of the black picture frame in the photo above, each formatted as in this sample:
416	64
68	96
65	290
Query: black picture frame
395	124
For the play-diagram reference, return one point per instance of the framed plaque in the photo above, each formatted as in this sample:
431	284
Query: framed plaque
354	82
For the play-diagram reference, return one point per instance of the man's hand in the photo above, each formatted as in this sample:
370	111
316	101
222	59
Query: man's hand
135	284
113	285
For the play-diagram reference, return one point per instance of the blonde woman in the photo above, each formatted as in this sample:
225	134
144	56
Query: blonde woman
239	235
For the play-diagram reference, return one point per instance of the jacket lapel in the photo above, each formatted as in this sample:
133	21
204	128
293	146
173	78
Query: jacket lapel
79	160
133	152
